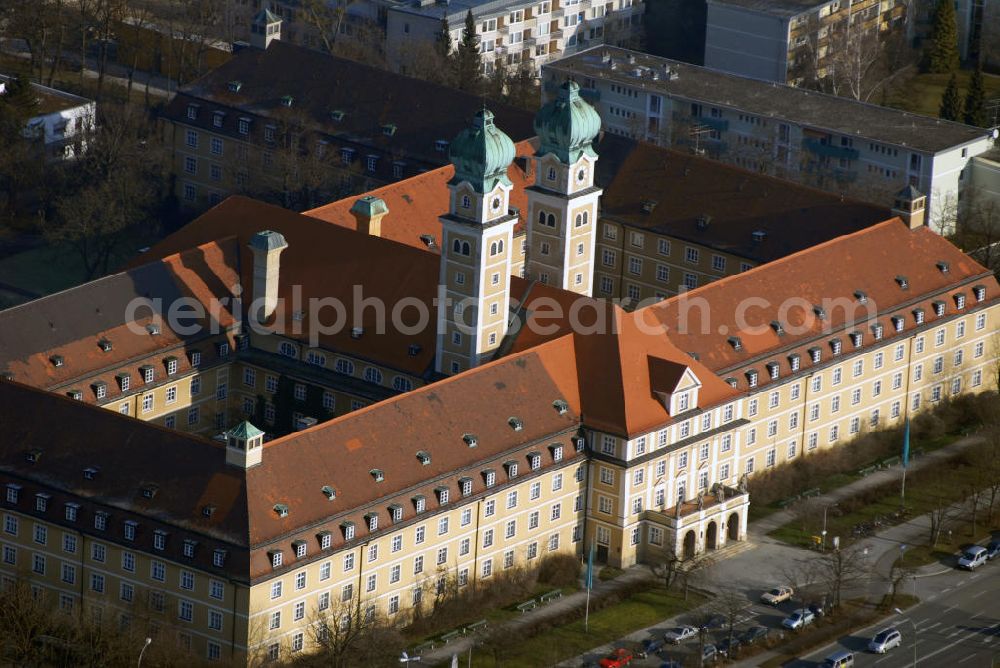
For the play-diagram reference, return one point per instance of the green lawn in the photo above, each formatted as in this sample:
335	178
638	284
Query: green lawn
559	643
922	93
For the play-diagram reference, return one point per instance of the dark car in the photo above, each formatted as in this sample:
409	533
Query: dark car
728	647
650	646
992	549
754	634
816	609
671	663
716	622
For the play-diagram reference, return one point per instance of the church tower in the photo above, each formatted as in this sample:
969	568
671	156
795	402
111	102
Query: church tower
563	202
476	237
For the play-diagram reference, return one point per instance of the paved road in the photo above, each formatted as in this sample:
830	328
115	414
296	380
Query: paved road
957	625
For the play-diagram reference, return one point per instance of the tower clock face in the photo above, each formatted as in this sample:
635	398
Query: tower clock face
581	175
496	203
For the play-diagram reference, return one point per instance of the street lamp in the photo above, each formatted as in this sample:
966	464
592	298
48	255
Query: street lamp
138	663
406	658
900	612
826	508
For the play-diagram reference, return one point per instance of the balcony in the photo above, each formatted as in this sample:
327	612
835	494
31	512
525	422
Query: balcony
719	499
826	150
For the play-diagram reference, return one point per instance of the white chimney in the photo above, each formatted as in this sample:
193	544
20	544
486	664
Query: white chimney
266	247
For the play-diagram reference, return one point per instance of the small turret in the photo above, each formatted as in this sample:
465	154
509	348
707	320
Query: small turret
266	27
911	205
369	211
244	445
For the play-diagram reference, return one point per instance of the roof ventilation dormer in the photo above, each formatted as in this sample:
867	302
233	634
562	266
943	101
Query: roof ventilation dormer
105	345
470	440
281	509
902	282
389	129
777	327
90	473
329	492
234	86
57	361
336	115
287	100
648	205
943	267
819	311
515	423
758	235
33	455
207	510
153	329
861	296
149	491
735	342
560	406
377	475
76	395
424	457
703	221
357	332
414	349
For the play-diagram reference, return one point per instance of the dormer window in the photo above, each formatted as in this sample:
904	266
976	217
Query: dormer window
442	494
192	111
325	540
820	312
898	323
153	329
287	100
903	282
388	129
580	442
171	364
371	519
960	301
918	316
281	509
195	358
470	440
465	484
105	345
441	145
336	115
129	529
299	547
419	503
778	329
348	529
101	522
515	423
149	491
234	86
560	406
329	492
534	461
160	539
396	512
943	267
424	457
218	117
146	372
72	511
219	557
511	469
732	382
189	548
980	292
276	558
90	473
377	474
42	502
76	395
222	349
207	510
13	493
877	331
751	378
735	342
938	308
773	370
57	361
856	339
683	402
836	346
124	381
794	362
861	296
490	477
557	452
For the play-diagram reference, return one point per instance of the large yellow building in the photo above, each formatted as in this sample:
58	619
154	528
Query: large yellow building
582	423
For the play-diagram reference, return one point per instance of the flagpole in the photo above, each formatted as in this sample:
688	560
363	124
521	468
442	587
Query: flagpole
906	461
590	584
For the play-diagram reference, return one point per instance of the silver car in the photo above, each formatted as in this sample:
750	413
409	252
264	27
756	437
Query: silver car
885	640
679	634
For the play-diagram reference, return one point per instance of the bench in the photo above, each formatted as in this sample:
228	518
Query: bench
550	595
815	491
477	626
891	461
423	647
450	635
527	605
785	503
868	470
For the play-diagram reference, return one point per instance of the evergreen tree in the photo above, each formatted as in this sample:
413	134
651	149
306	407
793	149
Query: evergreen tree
951	102
975	111
941	55
469	64
443	43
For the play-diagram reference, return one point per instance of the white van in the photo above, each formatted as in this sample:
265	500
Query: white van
973	558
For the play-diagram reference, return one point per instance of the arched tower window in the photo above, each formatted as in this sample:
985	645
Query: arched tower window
457	246
541	217
500	246
579	219
466	202
552	220
493	248
552	173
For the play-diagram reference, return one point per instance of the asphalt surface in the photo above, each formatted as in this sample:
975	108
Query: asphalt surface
957	625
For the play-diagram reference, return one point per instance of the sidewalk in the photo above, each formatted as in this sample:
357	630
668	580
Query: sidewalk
560	606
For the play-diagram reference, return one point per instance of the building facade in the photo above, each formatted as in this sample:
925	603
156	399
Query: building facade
62	124
829	142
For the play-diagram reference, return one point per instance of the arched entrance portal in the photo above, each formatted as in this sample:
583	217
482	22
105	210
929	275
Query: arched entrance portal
689	544
733	526
711	536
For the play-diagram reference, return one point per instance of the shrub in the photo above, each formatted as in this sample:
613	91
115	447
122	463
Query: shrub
559	570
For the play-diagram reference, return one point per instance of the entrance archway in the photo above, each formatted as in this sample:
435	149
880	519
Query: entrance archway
689	544
711	536
733	526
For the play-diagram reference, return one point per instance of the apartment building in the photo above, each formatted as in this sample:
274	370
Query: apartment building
794	41
299	127
632	431
829	142
62	122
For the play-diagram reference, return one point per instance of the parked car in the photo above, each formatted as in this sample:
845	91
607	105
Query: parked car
798	619
816	609
679	634
728	647
838	660
716	622
885	640
617	659
973	558
709	654
650	646
671	663
754	634
992	549
776	595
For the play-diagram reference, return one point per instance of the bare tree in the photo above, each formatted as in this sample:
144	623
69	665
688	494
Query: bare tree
667	567
940	514
351	633
730	603
839	569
